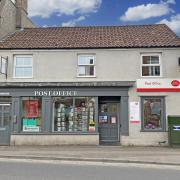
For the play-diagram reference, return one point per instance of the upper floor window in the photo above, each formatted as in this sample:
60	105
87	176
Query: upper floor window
86	66
23	66
151	65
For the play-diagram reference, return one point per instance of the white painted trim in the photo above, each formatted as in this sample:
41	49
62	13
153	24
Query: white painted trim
160	64
86	76
93	57
94	64
14	65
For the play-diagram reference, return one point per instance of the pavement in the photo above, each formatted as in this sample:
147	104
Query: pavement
106	154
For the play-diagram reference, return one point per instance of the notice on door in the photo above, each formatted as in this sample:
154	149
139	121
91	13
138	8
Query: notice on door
113	120
134	112
103	119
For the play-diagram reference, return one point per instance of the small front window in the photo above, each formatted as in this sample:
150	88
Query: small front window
153	113
23	67
151	65
86	66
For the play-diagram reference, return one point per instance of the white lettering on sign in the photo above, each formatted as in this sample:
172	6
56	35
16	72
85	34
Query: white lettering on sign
4	93
154	83
55	93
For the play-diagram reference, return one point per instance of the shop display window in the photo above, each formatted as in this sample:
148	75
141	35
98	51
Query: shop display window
74	114
31	114
63	114
152	113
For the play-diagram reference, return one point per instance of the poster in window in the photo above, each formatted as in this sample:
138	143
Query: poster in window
134	112
31	108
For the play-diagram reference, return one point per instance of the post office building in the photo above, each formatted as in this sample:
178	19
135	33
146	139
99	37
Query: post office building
89	85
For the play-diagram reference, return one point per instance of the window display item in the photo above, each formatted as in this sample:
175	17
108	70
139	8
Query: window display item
31	108
152	113
31	114
74	114
91	126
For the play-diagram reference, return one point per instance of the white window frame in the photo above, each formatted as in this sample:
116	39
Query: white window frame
13	1
14	67
148	65
94	64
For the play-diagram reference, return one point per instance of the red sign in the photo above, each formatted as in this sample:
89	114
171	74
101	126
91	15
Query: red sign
158	85
175	83
31	108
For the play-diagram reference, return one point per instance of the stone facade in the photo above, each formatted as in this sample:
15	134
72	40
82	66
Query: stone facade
122	65
13	16
116	61
116	72
54	140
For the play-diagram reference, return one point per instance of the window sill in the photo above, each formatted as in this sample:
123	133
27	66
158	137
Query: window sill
151	77
86	76
22	77
55	133
153	130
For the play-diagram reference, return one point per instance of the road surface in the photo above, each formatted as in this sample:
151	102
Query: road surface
32	170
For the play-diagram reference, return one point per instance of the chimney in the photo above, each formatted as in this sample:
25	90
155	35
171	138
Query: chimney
21	6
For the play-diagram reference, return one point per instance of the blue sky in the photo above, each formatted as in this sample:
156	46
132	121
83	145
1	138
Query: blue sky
105	12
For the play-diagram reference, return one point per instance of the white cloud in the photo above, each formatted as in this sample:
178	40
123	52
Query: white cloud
170	1
173	23
73	22
45	26
146	11
45	8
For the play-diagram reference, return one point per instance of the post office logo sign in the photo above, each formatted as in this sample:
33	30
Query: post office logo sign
55	93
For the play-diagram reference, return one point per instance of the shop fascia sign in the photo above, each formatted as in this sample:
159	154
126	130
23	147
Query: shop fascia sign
158	85
55	93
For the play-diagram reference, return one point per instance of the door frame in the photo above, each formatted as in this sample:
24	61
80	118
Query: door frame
9	126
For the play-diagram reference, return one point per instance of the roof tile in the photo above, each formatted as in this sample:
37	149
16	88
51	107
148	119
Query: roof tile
131	36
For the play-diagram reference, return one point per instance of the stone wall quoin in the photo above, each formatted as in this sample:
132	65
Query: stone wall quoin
13	16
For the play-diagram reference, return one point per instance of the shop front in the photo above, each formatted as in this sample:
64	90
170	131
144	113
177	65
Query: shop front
52	115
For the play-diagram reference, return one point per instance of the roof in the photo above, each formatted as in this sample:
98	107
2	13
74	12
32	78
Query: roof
132	36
